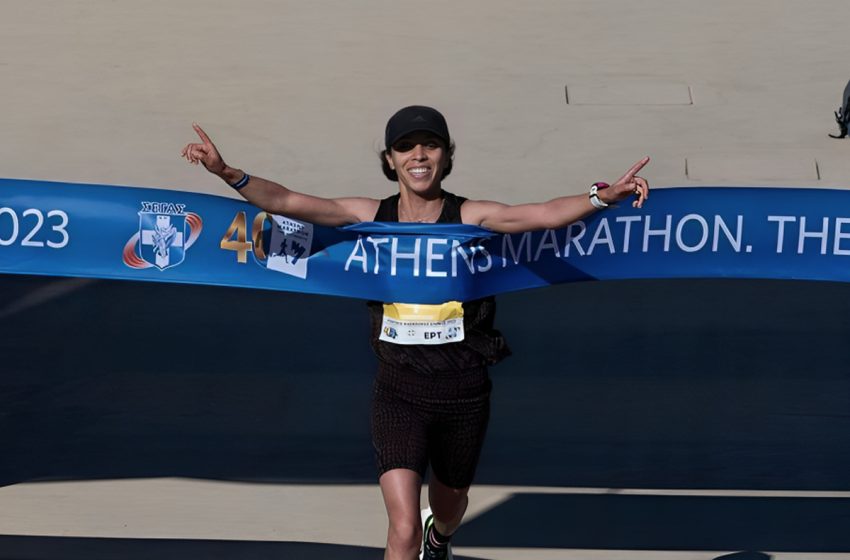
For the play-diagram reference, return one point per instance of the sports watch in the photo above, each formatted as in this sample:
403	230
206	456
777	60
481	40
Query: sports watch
594	195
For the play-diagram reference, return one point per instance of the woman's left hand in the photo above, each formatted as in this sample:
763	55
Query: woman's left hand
628	185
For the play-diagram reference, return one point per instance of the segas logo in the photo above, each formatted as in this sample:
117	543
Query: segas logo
166	231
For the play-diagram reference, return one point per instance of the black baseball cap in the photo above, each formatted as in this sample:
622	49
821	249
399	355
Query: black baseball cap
414	119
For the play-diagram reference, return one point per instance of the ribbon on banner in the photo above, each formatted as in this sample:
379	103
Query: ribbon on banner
100	231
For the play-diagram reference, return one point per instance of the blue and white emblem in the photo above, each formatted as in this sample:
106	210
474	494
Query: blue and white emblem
162	238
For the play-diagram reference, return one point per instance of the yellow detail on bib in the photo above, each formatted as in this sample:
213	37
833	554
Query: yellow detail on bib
413	323
421	312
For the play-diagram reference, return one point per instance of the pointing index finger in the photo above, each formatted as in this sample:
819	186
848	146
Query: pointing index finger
201	133
636	167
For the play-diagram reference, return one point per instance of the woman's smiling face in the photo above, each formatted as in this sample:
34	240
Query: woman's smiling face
419	160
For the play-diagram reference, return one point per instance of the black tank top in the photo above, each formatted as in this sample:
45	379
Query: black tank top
482	344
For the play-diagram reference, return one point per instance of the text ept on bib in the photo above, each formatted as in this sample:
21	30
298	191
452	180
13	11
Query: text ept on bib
412	323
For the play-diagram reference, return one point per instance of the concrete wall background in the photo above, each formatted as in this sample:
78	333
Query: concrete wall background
105	91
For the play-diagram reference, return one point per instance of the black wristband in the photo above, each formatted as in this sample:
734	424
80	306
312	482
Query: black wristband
241	182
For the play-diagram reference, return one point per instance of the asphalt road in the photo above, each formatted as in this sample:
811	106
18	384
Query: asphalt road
716	385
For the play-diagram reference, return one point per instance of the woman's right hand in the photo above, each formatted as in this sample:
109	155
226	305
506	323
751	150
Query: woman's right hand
204	152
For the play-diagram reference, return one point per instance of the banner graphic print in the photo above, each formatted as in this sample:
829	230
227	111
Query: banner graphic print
100	231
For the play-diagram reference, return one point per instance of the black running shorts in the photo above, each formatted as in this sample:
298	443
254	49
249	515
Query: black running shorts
438	417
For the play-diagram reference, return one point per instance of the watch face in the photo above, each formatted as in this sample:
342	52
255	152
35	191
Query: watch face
601	185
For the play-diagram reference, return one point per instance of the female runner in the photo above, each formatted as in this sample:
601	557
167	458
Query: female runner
430	401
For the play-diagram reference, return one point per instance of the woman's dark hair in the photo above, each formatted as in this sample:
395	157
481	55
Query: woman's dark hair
390	173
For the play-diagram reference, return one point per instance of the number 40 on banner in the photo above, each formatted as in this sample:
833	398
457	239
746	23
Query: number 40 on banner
236	237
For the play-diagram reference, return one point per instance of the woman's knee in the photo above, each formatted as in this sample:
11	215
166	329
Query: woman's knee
444	494
455	493
404	535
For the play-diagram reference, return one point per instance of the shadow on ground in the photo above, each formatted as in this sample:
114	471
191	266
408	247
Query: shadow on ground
638	522
654	384
67	548
658	384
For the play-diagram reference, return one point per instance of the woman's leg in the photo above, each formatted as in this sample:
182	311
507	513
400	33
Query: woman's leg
401	489
448	505
454	445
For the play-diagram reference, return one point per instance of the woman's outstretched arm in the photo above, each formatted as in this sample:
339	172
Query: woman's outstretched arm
556	213
275	198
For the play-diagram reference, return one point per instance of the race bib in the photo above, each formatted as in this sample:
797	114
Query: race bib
411	323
